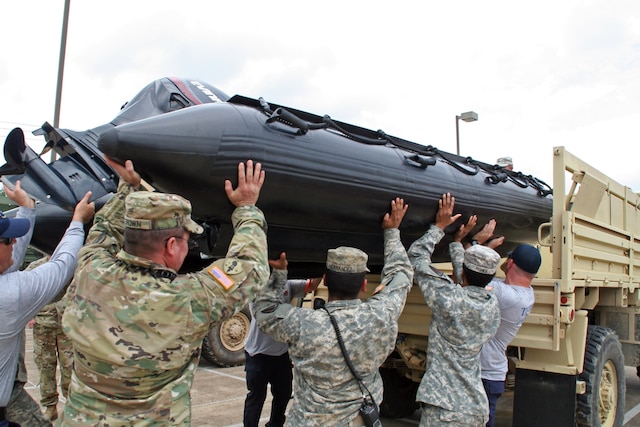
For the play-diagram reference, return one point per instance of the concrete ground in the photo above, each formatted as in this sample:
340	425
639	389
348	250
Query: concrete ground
218	397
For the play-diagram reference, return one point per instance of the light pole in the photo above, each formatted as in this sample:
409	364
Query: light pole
63	51
469	116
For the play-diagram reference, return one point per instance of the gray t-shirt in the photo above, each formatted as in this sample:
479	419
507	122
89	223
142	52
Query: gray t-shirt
515	304
24	293
260	343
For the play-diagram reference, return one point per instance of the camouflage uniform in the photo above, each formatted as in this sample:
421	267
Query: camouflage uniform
137	327
51	345
325	391
463	319
22	409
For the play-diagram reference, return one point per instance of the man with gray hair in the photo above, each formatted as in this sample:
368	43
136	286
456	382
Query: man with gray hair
463	319
326	392
136	323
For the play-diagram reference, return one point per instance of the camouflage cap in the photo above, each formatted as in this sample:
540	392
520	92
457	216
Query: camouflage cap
347	260
146	210
504	161
481	259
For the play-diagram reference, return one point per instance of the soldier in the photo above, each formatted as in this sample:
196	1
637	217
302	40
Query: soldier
24	293
267	360
51	347
326	392
505	162
463	319
137	325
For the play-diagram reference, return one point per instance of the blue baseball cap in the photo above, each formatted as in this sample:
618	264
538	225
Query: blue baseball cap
11	228
526	257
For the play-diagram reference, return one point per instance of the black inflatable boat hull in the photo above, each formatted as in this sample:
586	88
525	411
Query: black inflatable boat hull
328	183
323	189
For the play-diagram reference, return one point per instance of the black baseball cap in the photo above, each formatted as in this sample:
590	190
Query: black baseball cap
526	257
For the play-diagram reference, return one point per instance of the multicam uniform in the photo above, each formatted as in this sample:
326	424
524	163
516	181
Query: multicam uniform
326	393
50	346
137	326
463	319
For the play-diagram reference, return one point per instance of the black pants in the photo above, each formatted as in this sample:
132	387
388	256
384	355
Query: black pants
260	371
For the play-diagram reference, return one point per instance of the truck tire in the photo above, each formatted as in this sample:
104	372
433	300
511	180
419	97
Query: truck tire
603	403
224	344
399	395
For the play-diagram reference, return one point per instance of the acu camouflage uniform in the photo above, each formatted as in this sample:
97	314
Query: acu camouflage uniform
325	391
137	326
50	346
463	319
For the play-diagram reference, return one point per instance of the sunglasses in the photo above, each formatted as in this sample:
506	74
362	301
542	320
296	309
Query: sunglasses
6	240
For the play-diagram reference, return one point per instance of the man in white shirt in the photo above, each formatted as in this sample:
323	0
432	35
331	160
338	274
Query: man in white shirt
516	298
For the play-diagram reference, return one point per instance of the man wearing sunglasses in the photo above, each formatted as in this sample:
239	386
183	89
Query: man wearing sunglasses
24	293
136	324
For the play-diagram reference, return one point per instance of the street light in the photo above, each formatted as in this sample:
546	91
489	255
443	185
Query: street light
469	116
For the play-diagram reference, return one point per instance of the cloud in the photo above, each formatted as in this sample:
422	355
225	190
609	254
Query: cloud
538	74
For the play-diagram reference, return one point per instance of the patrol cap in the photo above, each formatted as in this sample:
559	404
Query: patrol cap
526	257
147	210
11	228
347	260
505	161
481	259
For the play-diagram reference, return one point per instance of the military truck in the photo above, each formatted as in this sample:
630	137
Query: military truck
569	355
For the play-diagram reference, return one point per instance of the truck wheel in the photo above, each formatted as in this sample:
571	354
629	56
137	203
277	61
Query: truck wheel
399	396
224	343
603	403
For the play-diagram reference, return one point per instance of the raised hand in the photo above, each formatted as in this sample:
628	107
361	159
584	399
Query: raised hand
393	219
465	229
445	217
250	180
126	171
18	195
84	209
280	263
486	233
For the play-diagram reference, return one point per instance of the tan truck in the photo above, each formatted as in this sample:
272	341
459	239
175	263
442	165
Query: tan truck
569	355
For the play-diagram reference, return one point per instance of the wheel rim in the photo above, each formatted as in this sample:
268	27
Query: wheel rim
234	331
608	394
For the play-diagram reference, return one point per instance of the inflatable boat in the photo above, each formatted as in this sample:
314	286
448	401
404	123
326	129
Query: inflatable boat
328	183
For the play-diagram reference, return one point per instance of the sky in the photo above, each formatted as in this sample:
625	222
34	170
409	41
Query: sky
538	74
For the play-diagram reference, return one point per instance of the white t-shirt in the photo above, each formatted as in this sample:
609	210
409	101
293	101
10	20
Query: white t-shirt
515	304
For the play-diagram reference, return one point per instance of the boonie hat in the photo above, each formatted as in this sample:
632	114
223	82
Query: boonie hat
481	259
526	257
347	260
11	228
147	210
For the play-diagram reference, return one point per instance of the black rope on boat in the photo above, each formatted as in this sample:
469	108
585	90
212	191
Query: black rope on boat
458	166
496	174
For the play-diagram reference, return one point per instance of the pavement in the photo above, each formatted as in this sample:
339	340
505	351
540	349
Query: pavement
218	397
